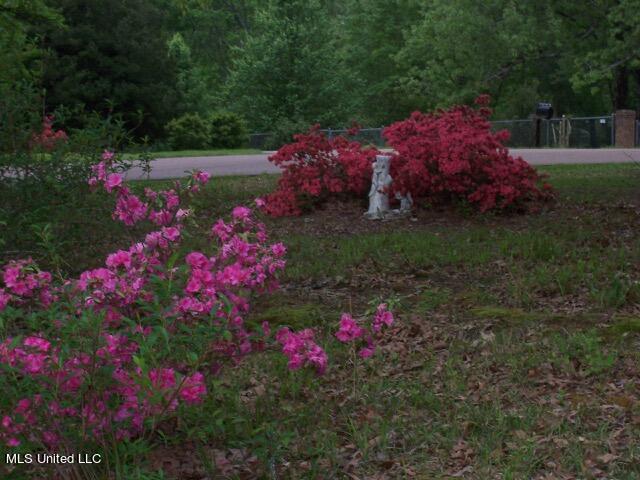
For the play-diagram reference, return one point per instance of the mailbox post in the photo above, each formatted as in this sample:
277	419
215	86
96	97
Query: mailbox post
544	110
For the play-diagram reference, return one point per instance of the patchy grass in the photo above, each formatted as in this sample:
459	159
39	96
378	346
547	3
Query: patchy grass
516	355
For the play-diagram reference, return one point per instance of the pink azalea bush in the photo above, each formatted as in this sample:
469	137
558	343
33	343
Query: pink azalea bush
109	355
89	371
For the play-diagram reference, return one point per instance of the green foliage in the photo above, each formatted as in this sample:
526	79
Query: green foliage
544	50
113	57
283	131
586	348
20	58
285	65
46	207
227	130
607	58
19	115
286	68
189	131
192	84
371	36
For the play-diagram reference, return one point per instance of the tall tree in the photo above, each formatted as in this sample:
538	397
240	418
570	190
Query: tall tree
371	33
20	71
608	56
287	69
518	51
207	31
113	55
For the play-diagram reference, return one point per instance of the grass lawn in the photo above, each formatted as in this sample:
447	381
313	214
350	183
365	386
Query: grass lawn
515	355
198	153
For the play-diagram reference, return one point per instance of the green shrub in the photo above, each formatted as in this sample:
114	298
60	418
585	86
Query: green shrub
283	132
190	131
20	115
46	211
227	130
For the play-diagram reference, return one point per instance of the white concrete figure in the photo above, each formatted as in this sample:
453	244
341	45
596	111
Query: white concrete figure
380	182
406	202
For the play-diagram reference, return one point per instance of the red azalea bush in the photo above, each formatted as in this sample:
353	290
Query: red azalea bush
48	138
442	156
452	154
315	168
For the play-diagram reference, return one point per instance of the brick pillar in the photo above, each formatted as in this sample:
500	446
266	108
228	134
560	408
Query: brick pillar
625	128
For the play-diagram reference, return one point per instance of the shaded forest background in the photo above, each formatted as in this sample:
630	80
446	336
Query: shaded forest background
285	64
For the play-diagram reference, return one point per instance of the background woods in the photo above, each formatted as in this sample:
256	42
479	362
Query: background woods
284	65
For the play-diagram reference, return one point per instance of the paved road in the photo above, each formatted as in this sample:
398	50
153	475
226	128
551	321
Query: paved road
259	163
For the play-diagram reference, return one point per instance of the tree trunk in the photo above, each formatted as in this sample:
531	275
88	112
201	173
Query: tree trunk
621	89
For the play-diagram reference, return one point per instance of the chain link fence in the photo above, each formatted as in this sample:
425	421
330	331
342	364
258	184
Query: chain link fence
568	132
366	136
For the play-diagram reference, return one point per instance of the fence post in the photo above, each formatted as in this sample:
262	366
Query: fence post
548	122
625	128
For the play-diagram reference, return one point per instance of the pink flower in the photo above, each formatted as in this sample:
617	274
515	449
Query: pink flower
13	442
161	217
193	388
260	203
130	209
37	342
163	378
153	240
171	198
241	213
107	156
197	260
113	181
383	317
100	171
367	351
317	357
182	214
301	349
266	329
278	249
171	233
119	259
349	329
150	194
201	176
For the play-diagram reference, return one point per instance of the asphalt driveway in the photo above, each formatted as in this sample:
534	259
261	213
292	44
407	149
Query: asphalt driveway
164	168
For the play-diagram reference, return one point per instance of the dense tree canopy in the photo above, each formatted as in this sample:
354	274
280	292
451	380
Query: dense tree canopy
298	62
113	55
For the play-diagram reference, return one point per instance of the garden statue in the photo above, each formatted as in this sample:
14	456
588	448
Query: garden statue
406	202
380	182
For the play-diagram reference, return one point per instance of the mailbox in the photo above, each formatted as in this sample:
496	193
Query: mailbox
544	110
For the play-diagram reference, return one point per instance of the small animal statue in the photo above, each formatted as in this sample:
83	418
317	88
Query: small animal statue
406	202
380	182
